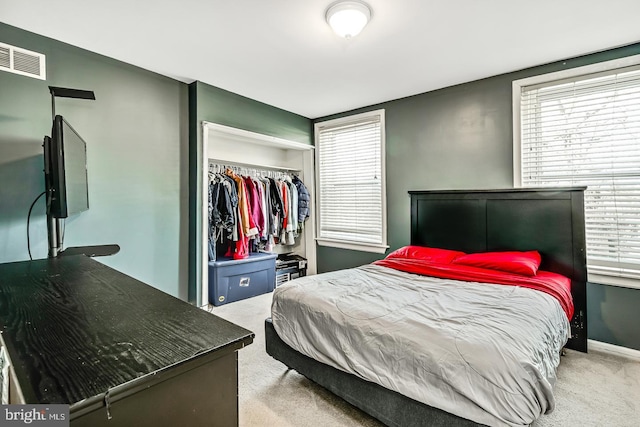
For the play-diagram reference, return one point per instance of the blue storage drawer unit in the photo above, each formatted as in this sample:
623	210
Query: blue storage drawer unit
232	280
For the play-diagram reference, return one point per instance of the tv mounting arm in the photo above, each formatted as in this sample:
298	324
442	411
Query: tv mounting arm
63	92
53	224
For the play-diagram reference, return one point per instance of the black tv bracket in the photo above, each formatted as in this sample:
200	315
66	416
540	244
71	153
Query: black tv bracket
53	224
91	251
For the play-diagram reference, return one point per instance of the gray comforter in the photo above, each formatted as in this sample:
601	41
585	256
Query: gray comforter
483	352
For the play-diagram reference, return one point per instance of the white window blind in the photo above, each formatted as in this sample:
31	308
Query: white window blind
585	131
351	182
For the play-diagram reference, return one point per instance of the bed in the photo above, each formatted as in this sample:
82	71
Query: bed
549	221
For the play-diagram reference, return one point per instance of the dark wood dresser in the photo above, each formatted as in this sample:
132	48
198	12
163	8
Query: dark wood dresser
118	351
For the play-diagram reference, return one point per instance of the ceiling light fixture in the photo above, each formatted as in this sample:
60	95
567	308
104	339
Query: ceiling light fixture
348	18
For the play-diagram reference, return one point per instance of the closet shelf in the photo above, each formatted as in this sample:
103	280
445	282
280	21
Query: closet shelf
228	132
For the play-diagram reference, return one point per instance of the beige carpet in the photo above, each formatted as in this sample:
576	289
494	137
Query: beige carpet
592	390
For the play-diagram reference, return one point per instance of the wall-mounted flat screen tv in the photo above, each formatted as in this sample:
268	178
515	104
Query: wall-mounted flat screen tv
66	177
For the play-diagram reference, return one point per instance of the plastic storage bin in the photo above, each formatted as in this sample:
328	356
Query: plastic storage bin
232	280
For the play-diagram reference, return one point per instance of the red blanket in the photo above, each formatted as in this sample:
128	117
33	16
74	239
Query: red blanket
556	285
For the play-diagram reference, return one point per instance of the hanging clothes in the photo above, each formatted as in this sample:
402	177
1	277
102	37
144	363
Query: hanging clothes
304	200
222	210
285	211
246	227
291	229
254	204
252	212
261	188
277	206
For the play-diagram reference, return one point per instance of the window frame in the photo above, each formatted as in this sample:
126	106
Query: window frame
517	85
346	244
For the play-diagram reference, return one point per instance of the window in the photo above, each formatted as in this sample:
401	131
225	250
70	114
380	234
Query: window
350	187
584	130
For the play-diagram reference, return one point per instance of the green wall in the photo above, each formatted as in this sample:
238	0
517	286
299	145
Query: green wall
461	137
211	104
137	146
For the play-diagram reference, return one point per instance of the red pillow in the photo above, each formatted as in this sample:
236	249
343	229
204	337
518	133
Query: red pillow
423	253
523	263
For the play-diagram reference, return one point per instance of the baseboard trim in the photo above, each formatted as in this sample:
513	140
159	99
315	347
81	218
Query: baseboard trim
617	350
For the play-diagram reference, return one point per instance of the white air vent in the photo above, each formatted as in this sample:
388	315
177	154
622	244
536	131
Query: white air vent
21	61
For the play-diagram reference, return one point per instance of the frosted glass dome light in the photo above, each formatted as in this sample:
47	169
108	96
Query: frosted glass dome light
348	18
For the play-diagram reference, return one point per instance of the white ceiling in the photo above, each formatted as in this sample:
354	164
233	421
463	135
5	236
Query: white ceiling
283	53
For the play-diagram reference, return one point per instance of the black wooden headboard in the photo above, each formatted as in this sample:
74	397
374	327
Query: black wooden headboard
549	220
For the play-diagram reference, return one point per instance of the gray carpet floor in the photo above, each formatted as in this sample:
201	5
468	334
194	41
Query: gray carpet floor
594	389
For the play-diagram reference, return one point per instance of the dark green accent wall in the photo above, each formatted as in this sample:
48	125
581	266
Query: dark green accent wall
614	315
227	108
137	142
215	105
461	137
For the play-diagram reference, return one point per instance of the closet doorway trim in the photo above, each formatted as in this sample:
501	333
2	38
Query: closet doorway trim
211	131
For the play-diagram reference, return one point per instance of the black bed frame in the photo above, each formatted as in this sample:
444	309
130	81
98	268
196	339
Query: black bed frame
549	220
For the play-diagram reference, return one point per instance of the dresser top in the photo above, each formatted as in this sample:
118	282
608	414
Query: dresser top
75	328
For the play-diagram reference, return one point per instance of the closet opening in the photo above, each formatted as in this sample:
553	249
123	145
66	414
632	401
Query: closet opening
257	164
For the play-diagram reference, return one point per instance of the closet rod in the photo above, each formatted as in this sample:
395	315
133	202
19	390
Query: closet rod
252	166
